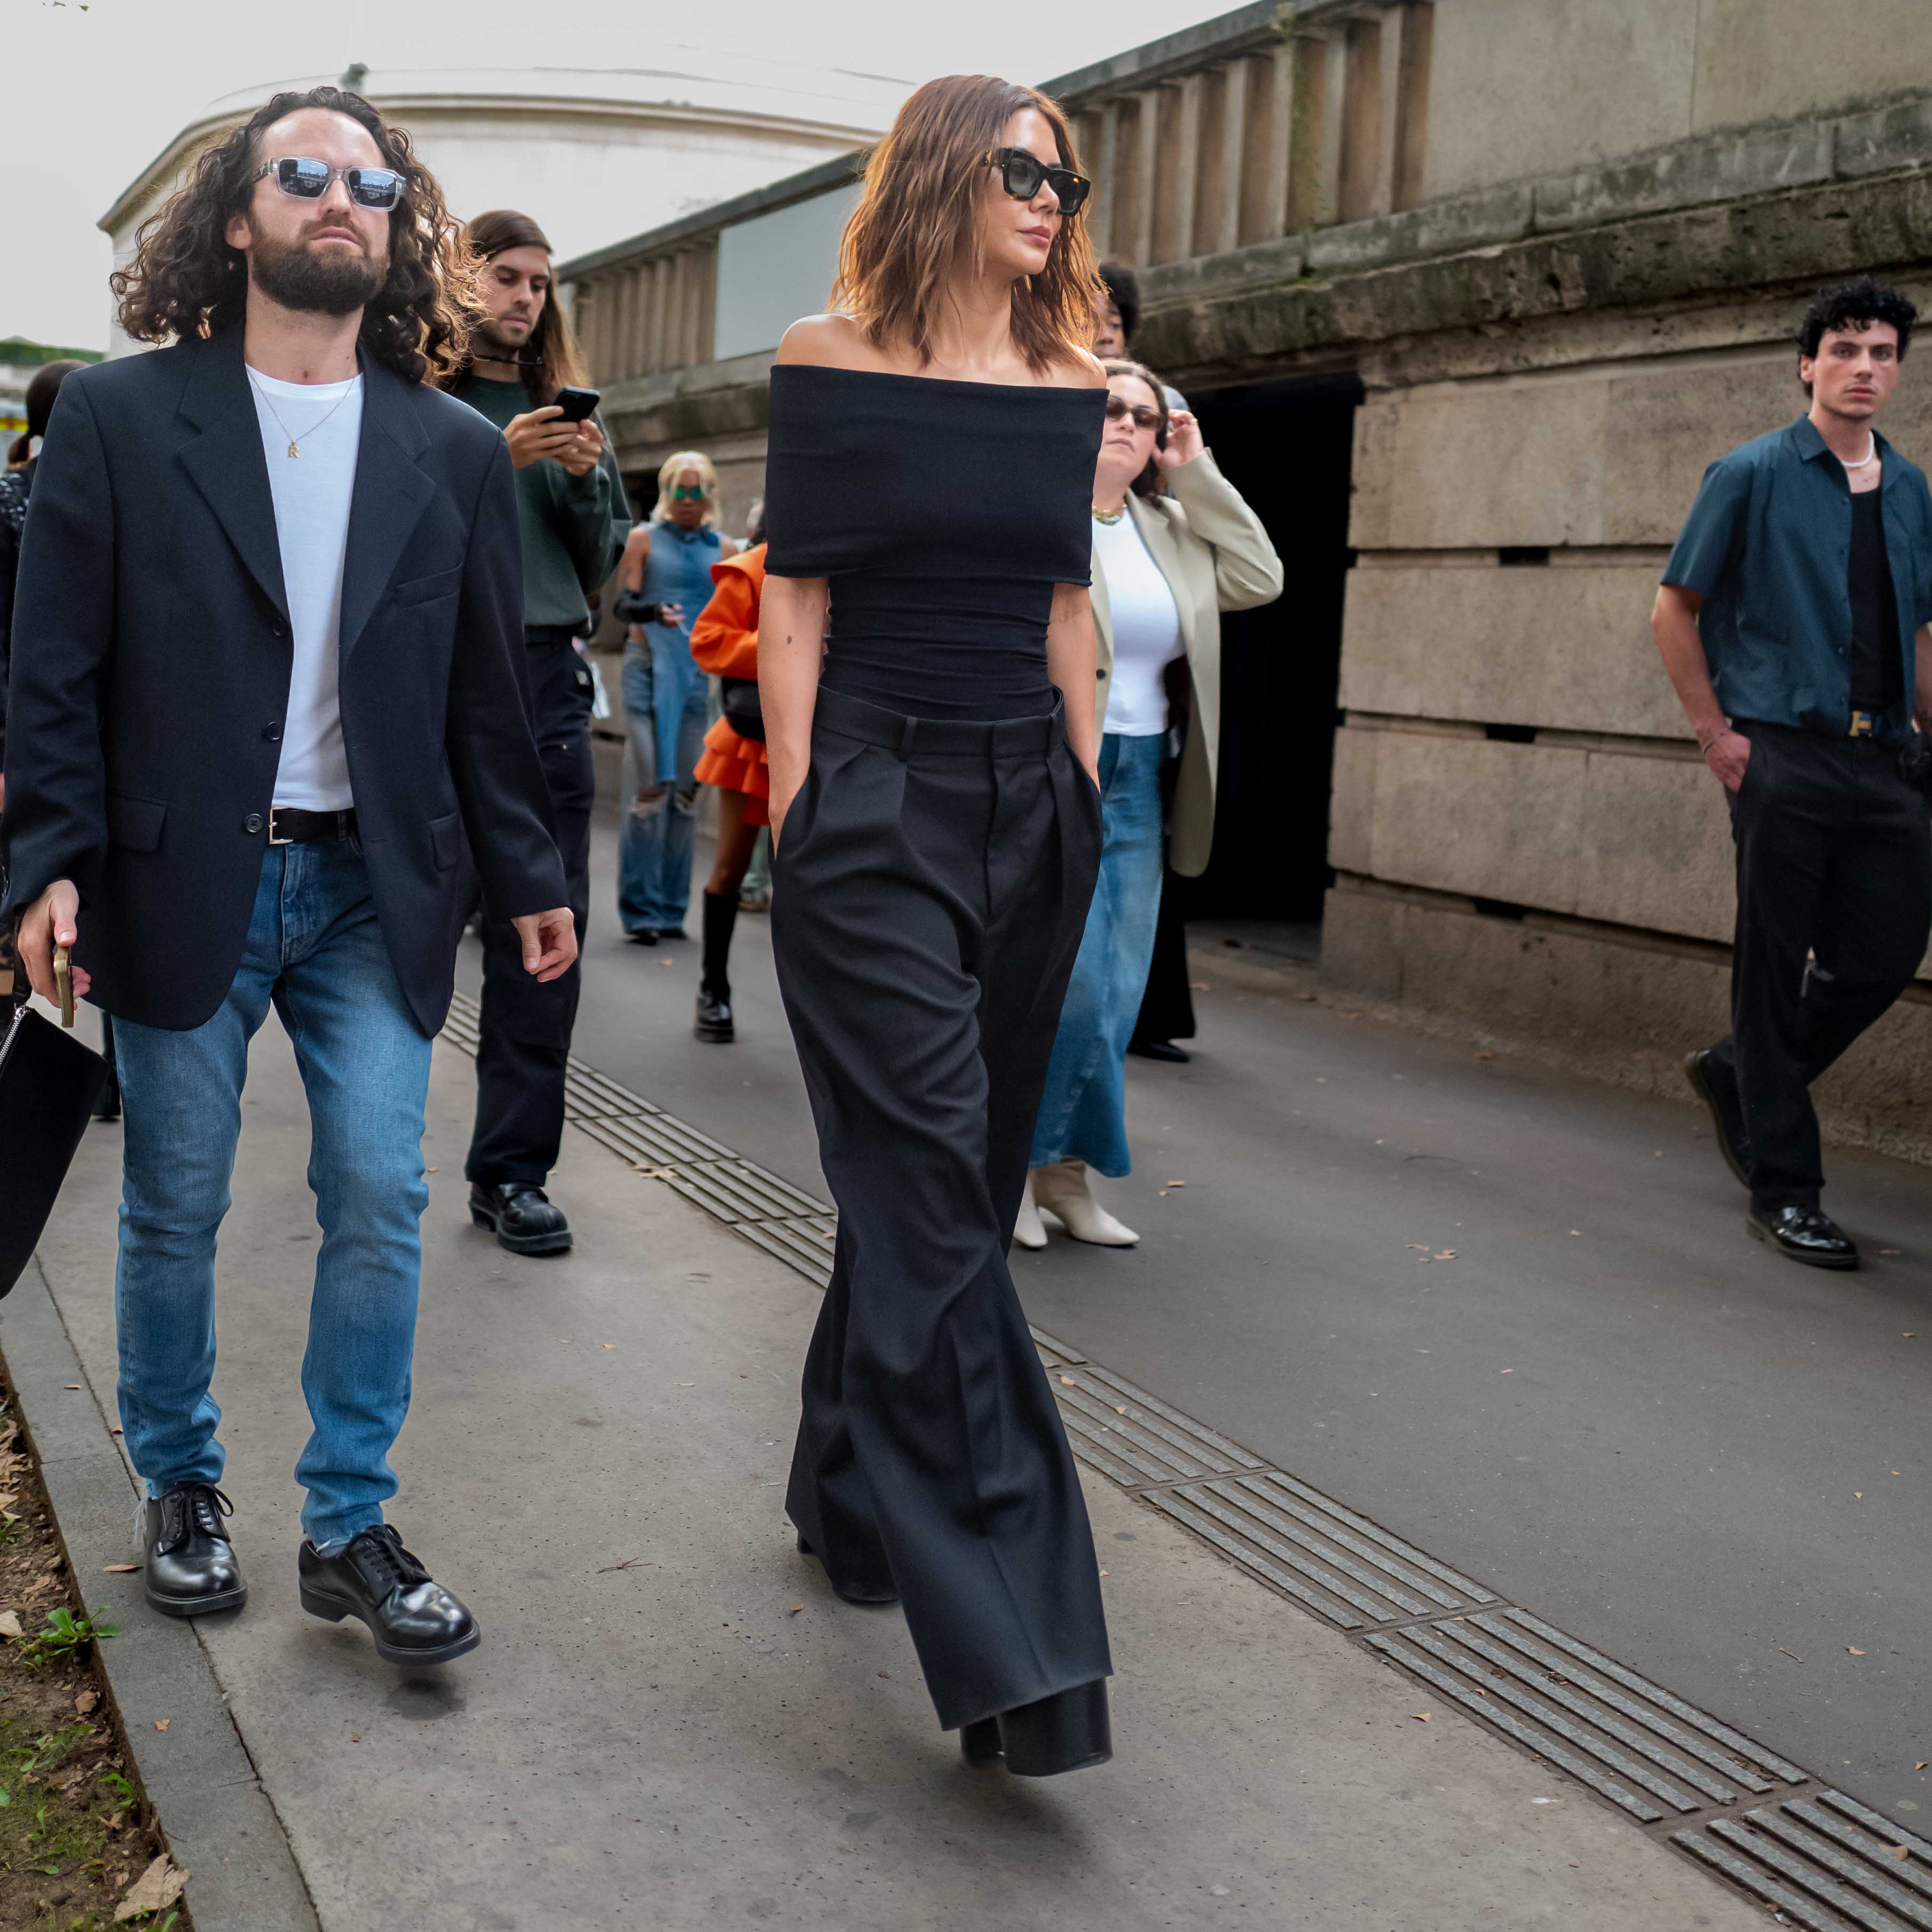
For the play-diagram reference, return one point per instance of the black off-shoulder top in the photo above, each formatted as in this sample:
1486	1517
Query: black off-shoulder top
944	514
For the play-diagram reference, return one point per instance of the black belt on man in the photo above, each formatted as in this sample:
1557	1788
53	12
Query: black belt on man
290	825
549	634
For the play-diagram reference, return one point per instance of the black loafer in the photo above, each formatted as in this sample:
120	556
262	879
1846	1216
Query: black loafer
1727	1116
1807	1235
413	1619
714	1016
190	1569
522	1217
1159	1049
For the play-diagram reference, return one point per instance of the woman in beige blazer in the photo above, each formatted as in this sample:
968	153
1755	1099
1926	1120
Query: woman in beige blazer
1174	547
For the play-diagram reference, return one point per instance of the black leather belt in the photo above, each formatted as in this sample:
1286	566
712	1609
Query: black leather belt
290	825
536	634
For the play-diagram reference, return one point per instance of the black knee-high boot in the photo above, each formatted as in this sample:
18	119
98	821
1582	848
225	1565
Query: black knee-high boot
714	991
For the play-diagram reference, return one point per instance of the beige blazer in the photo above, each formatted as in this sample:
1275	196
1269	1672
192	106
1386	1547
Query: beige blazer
1216	557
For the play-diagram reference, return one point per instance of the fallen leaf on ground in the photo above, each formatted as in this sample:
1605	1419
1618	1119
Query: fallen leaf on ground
73	1385
684	1385
794	1610
885	1673
1485	1056
1854	1650
116	1430
1420	1717
1119	1408
1177	1184
1576	1230
1506	1372
162	1723
612	1345
628	1563
1199	986
1791	1653
1907	1335
1447	1255
1920	1765
1887	1251
1068	1380
10	1624
1900	1851
118	1569
432	1170
1103	1573
155	1890
86	1701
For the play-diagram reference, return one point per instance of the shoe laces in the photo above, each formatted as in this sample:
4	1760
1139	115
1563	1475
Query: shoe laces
380	1556
191	1507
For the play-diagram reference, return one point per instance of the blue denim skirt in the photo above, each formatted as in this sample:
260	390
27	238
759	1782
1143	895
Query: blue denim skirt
1083	1114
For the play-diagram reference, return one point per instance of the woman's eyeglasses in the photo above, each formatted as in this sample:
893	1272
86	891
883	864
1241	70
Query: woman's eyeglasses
1145	418
685	493
308	181
1021	174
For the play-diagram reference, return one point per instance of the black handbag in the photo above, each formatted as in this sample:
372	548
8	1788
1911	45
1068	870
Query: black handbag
743	711
49	1085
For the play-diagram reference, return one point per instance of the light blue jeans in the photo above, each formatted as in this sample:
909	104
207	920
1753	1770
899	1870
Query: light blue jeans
1083	1113
314	950
665	719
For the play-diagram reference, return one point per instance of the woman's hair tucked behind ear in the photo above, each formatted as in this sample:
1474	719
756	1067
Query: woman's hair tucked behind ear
917	222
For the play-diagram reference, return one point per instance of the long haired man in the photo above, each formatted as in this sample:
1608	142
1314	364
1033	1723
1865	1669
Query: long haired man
573	518
263	685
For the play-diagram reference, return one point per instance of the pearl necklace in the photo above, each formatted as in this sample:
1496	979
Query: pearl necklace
1865	461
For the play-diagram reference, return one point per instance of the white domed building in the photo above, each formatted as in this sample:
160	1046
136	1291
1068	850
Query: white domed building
593	154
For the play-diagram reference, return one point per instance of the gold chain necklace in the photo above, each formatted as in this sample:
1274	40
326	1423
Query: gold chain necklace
278	415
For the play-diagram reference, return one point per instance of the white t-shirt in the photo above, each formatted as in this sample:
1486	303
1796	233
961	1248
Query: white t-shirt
1146	629
312	490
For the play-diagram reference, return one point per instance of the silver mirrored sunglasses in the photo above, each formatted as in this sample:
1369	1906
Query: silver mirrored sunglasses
308	181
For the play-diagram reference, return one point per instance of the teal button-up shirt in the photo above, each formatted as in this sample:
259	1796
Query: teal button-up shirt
1768	547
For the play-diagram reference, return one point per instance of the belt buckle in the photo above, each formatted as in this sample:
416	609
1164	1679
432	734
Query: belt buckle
1863	725
274	813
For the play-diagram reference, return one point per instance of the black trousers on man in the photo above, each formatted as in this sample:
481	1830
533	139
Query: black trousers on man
1834	904
929	891
525	1027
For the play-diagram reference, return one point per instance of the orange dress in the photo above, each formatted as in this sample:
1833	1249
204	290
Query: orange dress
724	641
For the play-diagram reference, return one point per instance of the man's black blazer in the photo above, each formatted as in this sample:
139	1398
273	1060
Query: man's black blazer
151	661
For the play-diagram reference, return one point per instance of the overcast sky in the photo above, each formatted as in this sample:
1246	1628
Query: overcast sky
93	94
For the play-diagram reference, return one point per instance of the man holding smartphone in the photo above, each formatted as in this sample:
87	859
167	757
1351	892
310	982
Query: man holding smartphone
524	374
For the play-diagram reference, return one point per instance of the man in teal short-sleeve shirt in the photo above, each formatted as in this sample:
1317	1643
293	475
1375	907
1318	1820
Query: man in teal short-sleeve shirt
1793	621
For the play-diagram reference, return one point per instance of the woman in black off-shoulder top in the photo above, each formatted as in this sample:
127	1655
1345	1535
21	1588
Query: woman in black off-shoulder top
927	497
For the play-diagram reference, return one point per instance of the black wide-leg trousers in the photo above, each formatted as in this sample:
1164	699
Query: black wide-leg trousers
1834	903
524	1034
928	894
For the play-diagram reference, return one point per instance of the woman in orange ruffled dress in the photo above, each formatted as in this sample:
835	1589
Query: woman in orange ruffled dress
724	641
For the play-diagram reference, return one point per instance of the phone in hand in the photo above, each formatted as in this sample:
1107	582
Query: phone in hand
576	404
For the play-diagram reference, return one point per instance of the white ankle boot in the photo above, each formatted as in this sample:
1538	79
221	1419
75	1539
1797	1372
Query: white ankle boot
1029	1231
1062	1191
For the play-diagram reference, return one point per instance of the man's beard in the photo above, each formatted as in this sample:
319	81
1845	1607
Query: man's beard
493	345
299	277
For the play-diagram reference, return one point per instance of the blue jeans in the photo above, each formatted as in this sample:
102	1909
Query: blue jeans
664	718
1083	1113
314	949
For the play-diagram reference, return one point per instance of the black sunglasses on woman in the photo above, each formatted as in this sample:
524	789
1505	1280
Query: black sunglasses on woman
1021	174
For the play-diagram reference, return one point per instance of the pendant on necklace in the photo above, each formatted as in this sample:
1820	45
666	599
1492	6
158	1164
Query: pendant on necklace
293	450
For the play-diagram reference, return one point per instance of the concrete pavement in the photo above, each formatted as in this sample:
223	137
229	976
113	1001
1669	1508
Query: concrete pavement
672	1722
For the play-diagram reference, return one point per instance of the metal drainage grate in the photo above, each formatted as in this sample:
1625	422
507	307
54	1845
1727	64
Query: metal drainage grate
796	1227
1743	1812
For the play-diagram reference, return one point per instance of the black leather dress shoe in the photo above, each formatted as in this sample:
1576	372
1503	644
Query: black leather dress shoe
190	1569
714	1017
642	935
852	1594
979	1743
1720	1094
1807	1235
522	1217
1159	1049
413	1619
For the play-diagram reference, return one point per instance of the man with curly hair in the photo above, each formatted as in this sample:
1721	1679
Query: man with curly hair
263	681
1793	623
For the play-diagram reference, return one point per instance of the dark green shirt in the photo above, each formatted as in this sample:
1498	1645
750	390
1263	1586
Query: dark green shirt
1768	546
573	527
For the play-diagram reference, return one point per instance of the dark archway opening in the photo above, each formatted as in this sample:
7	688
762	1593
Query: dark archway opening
1287	446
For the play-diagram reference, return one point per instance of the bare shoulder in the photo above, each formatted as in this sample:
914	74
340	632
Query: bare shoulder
828	342
1080	369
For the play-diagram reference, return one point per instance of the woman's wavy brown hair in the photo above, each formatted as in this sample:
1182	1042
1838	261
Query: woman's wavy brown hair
917	224
186	281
